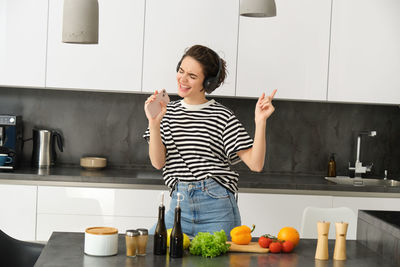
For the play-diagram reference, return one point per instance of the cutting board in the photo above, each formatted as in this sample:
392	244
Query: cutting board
252	247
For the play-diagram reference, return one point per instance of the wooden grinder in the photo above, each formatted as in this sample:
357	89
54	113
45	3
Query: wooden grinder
322	245
340	244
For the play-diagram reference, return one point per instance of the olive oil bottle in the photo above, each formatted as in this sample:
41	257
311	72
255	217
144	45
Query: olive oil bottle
332	166
176	238
160	234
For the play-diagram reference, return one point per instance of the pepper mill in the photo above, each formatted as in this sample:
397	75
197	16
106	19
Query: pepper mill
322	245
340	244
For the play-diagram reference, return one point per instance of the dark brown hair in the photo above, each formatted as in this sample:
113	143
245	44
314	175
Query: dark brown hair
209	60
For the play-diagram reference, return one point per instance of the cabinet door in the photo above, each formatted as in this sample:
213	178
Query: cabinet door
48	223
113	64
365	52
288	52
172	26
18	211
365	203
76	208
271	212
23	32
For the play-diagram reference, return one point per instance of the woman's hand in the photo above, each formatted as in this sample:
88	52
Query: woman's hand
157	119
264	107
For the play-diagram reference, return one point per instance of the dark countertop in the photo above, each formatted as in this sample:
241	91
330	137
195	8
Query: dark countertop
66	249
149	178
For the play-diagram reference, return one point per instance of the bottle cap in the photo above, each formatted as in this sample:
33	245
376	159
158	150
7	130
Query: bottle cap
132	233
162	199
143	231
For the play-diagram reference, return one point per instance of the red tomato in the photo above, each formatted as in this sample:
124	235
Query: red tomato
287	246
264	242
275	247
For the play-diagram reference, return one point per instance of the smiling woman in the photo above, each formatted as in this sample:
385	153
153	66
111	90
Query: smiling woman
195	140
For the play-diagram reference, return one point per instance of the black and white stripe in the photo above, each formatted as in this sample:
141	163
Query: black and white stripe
201	142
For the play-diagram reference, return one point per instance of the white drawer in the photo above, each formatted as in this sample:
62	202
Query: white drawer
47	223
99	201
18	211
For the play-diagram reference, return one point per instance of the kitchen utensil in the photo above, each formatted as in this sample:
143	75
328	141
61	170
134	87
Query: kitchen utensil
340	244
11	132
251	247
93	163
101	241
321	252
44	147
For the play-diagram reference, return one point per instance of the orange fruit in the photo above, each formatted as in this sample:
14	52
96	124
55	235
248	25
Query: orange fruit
289	233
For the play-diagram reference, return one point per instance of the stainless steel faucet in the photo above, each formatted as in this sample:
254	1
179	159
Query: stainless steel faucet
359	168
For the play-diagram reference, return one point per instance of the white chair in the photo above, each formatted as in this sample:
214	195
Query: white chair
312	215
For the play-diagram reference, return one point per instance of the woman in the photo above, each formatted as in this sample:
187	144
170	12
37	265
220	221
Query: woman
195	140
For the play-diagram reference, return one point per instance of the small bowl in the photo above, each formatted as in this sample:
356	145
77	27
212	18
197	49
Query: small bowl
101	241
93	163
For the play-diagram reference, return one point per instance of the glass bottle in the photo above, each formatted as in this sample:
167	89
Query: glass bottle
176	239
160	234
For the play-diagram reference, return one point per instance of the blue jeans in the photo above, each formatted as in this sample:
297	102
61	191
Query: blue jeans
207	207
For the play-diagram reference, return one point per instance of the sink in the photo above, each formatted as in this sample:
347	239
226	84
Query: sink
344	180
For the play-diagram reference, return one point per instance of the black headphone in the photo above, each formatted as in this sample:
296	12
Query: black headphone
210	83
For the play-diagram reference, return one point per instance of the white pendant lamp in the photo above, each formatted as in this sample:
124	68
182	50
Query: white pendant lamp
257	8
81	22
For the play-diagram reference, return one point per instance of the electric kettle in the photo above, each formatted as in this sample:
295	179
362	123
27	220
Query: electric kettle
44	147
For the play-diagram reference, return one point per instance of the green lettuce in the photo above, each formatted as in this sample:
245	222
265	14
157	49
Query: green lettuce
209	245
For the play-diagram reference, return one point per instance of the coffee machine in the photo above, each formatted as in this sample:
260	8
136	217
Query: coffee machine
11	140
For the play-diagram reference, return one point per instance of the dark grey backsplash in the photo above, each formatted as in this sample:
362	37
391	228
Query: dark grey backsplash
300	135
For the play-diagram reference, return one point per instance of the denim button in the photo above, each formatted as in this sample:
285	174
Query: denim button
190	187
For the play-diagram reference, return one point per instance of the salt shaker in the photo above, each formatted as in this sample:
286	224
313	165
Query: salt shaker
131	240
340	244
322	245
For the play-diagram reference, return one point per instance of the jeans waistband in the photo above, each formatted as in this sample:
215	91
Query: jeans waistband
202	184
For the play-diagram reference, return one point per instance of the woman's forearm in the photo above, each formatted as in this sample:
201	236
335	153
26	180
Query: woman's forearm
254	157
259	147
156	147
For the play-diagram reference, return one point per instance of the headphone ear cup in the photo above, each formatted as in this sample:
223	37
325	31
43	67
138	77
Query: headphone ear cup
210	83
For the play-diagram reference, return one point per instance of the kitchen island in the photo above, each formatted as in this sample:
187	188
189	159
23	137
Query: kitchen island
70	198
66	249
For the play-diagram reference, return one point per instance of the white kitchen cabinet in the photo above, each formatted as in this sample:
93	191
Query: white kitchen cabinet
365	52
18	211
76	208
23	33
271	212
48	223
288	52
113	64
172	26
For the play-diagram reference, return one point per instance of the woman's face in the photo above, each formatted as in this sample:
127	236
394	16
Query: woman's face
190	79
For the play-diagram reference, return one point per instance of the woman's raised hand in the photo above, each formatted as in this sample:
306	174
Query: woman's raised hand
264	107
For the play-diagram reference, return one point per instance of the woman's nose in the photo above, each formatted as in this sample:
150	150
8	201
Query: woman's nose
183	78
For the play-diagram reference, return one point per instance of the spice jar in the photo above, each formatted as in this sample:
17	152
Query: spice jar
142	241
131	240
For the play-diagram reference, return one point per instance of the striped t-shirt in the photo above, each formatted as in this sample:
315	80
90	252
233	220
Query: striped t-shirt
201	142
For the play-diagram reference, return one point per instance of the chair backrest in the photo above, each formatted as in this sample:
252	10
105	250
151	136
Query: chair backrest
312	215
18	253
